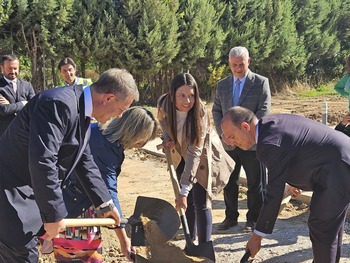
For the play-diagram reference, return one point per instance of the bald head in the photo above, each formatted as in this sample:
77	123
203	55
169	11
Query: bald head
238	126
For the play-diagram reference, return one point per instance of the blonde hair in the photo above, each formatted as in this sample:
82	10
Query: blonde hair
136	124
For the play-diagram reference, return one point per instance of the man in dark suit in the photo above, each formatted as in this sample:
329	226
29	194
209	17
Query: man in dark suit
14	92
40	148
307	155
251	91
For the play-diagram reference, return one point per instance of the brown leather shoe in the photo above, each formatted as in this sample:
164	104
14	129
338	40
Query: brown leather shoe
227	223
249	226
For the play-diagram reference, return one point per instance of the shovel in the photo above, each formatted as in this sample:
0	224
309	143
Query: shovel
205	249
162	212
245	258
159	210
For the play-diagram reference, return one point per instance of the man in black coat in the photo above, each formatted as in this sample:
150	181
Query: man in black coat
307	155
14	92
40	148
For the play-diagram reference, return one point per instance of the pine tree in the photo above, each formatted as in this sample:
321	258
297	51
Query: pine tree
35	29
316	23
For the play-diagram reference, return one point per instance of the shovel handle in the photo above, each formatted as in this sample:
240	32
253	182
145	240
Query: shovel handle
245	257
76	222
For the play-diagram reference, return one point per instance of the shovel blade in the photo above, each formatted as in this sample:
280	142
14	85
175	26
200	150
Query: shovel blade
136	258
159	210
205	250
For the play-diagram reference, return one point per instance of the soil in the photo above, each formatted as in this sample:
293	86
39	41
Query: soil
144	174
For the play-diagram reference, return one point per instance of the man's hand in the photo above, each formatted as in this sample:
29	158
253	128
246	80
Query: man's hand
254	244
346	119
290	190
113	214
53	229
3	100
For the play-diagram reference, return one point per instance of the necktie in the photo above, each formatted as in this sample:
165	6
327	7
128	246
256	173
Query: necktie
236	92
13	84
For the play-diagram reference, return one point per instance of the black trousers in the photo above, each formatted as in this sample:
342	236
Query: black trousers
198	214
254	173
27	254
328	209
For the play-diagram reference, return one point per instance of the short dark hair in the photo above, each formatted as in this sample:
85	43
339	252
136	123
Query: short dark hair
240	114
66	61
10	57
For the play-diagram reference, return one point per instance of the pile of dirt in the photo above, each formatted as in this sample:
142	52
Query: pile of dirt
159	250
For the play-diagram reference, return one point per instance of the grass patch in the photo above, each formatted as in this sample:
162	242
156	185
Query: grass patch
322	90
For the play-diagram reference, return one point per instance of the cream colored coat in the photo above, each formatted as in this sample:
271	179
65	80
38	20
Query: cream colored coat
208	164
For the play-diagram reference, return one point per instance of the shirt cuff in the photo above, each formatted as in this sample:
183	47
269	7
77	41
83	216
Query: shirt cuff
185	189
260	233
105	204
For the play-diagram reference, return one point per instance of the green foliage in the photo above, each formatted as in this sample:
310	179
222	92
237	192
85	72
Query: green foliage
321	90
317	29
288	40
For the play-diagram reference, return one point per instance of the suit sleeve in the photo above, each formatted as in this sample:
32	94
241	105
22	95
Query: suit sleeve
264	106
31	92
14	107
217	111
276	161
10	109
47	129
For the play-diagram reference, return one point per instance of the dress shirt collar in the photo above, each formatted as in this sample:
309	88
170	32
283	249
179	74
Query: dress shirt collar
74	83
88	102
242	80
9	81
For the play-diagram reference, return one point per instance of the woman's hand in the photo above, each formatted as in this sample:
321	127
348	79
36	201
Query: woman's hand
125	243
168	143
181	202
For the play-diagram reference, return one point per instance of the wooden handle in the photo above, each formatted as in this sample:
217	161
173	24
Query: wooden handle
76	222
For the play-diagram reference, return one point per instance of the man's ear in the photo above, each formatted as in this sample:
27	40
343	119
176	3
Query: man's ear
108	97
245	126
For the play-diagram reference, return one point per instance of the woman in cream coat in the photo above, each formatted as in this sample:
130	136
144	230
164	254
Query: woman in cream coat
202	165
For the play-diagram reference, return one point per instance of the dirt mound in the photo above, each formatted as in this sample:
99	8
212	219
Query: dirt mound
159	250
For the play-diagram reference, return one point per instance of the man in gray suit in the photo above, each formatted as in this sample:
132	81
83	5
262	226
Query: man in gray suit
307	155
251	91
14	92
40	148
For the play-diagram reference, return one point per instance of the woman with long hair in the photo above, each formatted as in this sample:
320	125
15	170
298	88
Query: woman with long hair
186	130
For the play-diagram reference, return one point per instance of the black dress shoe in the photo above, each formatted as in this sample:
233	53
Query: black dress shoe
227	223
249	226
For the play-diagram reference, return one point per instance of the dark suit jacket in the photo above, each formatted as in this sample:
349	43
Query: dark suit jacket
303	153
38	151
108	157
255	96
8	112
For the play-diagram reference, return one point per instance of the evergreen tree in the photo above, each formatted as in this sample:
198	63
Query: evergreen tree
35	28
286	61
198	21
316	24
146	40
